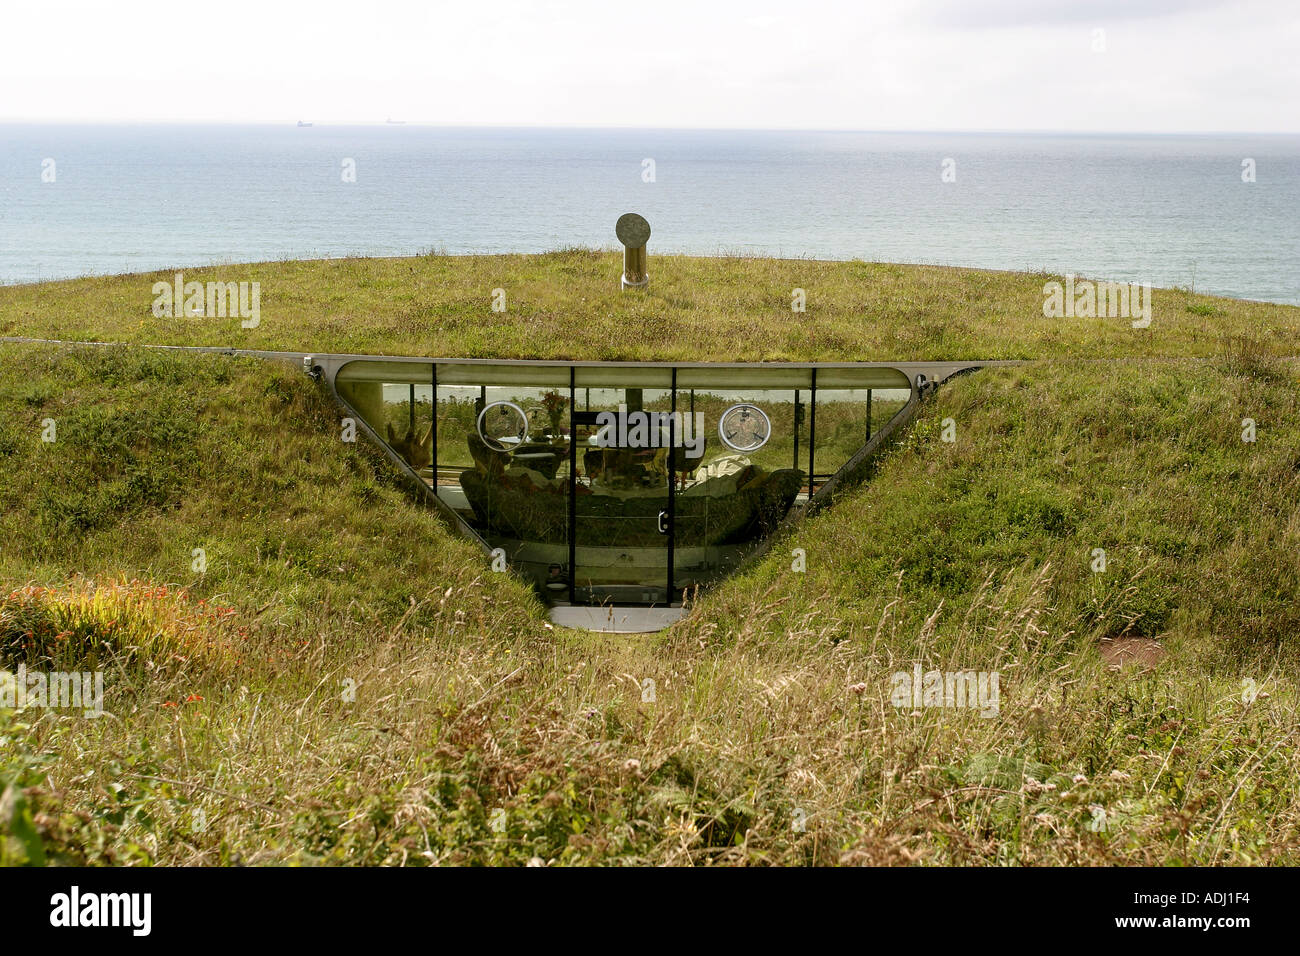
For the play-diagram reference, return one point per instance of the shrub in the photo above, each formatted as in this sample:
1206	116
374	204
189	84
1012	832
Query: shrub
83	625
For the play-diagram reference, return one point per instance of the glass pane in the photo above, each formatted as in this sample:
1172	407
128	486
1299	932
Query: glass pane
843	423
737	481
622	506
846	419
886	403
396	400
503	466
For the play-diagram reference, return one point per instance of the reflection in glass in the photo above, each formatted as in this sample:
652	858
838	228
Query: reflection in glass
503	465
396	401
732	500
621	484
621	504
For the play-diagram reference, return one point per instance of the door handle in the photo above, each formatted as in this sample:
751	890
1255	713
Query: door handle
663	522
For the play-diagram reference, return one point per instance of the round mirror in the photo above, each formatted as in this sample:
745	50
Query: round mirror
744	428
503	426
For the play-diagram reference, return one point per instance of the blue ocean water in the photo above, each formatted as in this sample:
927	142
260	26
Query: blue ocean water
1169	210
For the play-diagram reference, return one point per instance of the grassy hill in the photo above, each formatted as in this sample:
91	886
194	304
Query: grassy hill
346	681
567	305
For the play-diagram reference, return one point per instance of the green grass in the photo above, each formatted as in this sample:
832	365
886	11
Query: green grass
157	455
393	701
567	305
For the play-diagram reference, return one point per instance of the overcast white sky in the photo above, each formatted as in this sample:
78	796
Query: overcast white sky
1168	65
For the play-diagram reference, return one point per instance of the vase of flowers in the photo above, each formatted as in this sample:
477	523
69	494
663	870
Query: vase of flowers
554	403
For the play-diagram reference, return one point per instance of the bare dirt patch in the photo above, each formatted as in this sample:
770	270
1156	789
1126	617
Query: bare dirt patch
1142	652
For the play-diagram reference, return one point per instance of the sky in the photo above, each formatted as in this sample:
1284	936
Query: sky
1061	65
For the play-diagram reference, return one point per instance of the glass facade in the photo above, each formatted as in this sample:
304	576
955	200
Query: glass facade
621	483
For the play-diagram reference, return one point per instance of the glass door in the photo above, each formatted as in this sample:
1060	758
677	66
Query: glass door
624	431
736	488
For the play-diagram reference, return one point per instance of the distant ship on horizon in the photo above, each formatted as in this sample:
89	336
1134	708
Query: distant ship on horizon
301	123
392	122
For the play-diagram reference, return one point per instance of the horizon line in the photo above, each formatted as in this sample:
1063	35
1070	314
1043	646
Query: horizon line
428	124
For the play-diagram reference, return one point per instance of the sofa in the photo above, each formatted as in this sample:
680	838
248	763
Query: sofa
730	501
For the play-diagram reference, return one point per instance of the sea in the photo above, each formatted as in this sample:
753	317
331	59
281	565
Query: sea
1218	213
